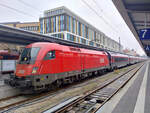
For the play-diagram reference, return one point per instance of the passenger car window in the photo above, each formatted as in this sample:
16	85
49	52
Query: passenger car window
50	55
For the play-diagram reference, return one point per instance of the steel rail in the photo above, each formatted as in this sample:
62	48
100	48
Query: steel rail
41	96
10	97
82	98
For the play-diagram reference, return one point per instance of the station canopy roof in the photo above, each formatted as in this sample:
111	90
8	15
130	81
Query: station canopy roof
136	14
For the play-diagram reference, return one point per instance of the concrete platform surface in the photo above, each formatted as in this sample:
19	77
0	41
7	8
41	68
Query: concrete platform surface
134	97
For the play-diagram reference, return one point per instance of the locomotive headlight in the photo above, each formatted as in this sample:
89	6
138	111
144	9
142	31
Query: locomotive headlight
34	70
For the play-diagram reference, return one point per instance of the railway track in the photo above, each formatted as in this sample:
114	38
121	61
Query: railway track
17	101
94	100
12	102
10	97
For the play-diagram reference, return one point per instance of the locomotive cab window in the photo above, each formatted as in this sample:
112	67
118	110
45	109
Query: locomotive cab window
28	55
50	55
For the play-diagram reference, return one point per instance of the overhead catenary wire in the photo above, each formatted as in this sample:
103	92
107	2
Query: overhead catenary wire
101	10
99	16
106	15
98	5
29	5
16	10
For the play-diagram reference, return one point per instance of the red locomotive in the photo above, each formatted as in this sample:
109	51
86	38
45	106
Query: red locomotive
44	65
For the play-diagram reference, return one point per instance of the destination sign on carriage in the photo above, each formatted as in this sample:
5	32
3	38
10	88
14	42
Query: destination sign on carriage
144	34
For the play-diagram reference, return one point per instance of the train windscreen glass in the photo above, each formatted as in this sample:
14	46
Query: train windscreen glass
28	56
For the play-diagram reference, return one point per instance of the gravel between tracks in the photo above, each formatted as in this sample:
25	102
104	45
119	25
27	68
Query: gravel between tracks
70	92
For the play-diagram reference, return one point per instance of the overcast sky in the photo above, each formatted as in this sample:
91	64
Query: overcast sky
107	19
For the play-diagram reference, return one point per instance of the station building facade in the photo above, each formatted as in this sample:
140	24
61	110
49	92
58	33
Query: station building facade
64	24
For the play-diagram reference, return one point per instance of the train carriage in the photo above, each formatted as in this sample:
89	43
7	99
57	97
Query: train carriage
119	60
133	59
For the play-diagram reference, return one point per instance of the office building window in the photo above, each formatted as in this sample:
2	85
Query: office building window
54	21
51	27
48	25
91	43
71	37
79	28
59	35
73	25
83	41
69	24
41	26
62	23
65	23
82	30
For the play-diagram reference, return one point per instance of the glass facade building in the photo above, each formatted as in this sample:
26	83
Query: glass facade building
62	23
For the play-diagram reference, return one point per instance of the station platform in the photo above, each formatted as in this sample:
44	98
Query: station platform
134	97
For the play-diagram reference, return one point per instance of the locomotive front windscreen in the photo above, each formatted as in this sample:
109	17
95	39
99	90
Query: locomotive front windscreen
28	56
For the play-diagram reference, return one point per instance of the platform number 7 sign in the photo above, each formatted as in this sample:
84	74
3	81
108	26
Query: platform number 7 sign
144	33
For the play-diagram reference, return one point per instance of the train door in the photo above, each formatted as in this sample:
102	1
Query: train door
110	58
82	62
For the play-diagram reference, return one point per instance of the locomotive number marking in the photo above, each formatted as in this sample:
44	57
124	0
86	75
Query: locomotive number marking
102	60
21	71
